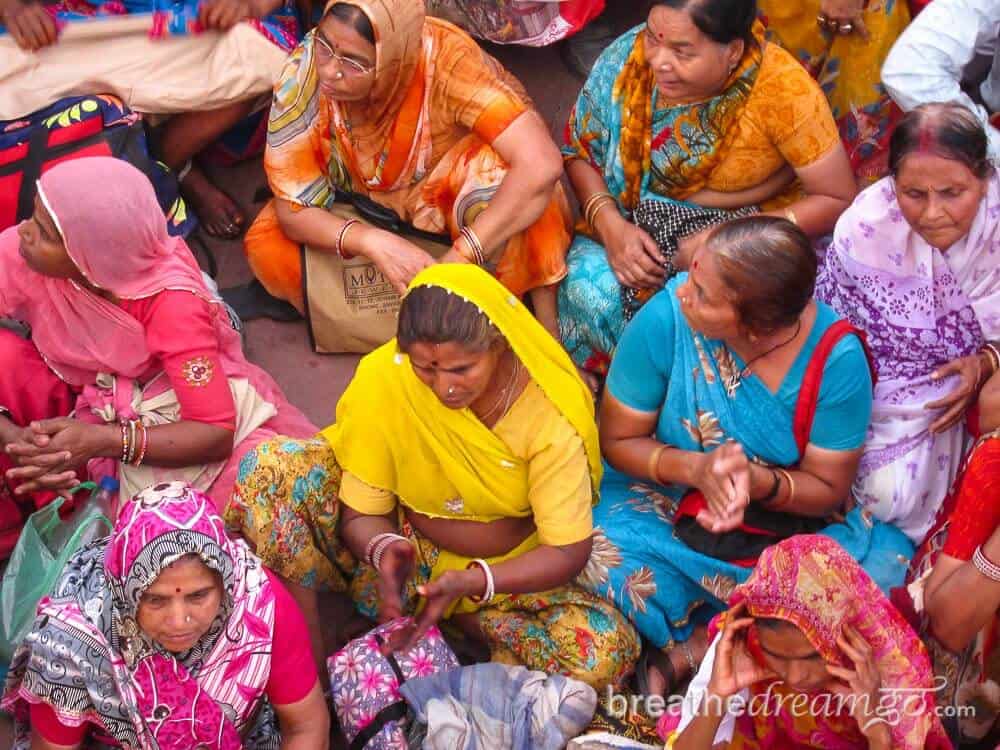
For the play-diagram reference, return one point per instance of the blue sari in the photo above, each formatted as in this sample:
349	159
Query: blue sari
662	365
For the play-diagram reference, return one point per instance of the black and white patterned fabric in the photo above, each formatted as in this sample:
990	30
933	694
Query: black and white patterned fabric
667	222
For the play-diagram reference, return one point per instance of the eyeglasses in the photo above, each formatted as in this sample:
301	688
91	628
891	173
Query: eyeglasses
325	53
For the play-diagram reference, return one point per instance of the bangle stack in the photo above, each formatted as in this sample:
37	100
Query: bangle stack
985	566
490	591
472	240
135	439
377	546
340	239
593	205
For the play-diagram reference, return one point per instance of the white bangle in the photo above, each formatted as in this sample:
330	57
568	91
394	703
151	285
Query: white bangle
985	566
870	722
377	546
490	591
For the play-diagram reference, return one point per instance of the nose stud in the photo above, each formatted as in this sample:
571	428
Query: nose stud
451	390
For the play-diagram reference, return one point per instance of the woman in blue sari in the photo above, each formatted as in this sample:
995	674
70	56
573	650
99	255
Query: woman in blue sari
736	392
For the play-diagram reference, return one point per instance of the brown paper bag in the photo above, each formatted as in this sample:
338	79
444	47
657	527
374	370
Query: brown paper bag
350	304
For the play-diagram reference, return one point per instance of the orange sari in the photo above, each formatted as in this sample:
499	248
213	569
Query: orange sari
421	147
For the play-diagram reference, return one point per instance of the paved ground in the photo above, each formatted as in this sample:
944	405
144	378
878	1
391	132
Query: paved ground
314	382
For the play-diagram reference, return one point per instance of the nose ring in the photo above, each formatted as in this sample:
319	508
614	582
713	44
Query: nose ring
339	75
451	390
187	619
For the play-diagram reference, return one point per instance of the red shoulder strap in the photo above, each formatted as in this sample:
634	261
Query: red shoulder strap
805	408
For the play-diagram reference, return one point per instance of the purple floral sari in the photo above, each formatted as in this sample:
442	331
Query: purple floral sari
921	307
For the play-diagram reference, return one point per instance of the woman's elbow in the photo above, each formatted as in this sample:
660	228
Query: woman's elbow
947	632
578	557
541	169
221	445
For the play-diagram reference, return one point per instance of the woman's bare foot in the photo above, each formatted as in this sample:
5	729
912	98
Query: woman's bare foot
216	211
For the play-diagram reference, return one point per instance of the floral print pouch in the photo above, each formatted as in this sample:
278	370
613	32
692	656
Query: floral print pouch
365	684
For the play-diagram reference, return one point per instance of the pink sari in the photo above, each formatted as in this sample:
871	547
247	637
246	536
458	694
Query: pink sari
113	229
87	659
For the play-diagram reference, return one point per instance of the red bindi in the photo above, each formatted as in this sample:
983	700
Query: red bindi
694	265
177	591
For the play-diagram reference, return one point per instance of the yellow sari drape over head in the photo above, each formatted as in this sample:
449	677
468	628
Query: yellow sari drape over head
394	434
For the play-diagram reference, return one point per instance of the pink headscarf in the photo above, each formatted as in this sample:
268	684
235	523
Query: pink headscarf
90	662
811	582
114	232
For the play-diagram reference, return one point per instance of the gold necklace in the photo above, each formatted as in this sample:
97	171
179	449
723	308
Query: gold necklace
505	393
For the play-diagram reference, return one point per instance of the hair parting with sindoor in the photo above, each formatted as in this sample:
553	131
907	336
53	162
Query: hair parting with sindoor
769	266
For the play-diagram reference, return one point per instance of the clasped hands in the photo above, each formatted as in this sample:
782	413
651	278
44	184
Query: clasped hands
723	477
48	452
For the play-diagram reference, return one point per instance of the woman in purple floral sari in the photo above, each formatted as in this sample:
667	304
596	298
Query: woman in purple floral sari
914	264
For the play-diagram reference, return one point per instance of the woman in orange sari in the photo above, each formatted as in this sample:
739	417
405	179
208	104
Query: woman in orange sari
409	112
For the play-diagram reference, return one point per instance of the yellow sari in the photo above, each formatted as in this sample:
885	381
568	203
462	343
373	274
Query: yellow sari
435	459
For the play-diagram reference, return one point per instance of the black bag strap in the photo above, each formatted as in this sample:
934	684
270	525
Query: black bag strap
393	712
386	218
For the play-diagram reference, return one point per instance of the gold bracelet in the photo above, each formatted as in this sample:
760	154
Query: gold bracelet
790	215
653	463
594	197
791	487
595	209
994	356
590	206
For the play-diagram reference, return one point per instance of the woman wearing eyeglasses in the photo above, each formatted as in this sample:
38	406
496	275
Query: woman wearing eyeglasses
410	112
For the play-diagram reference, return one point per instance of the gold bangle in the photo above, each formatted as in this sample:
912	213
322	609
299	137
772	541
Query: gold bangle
653	462
790	215
594	197
340	238
994	356
595	209
474	244
791	487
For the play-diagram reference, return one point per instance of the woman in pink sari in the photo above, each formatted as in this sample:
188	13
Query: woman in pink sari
810	654
167	635
122	319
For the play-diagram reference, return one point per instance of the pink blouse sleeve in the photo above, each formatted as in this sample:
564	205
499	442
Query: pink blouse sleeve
180	332
293	668
45	722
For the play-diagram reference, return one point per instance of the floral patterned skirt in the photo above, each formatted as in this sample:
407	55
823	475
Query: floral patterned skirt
285	504
666	588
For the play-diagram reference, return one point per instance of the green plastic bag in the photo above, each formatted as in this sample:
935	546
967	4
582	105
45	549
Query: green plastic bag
45	544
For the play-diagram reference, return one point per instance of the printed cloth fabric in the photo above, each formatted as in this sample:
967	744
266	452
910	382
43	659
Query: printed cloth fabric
920	307
814	584
87	658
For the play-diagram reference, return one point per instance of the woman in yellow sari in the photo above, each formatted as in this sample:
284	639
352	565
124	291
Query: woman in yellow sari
461	472
408	111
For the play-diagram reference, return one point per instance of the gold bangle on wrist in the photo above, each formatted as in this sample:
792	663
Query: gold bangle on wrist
653	463
791	488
